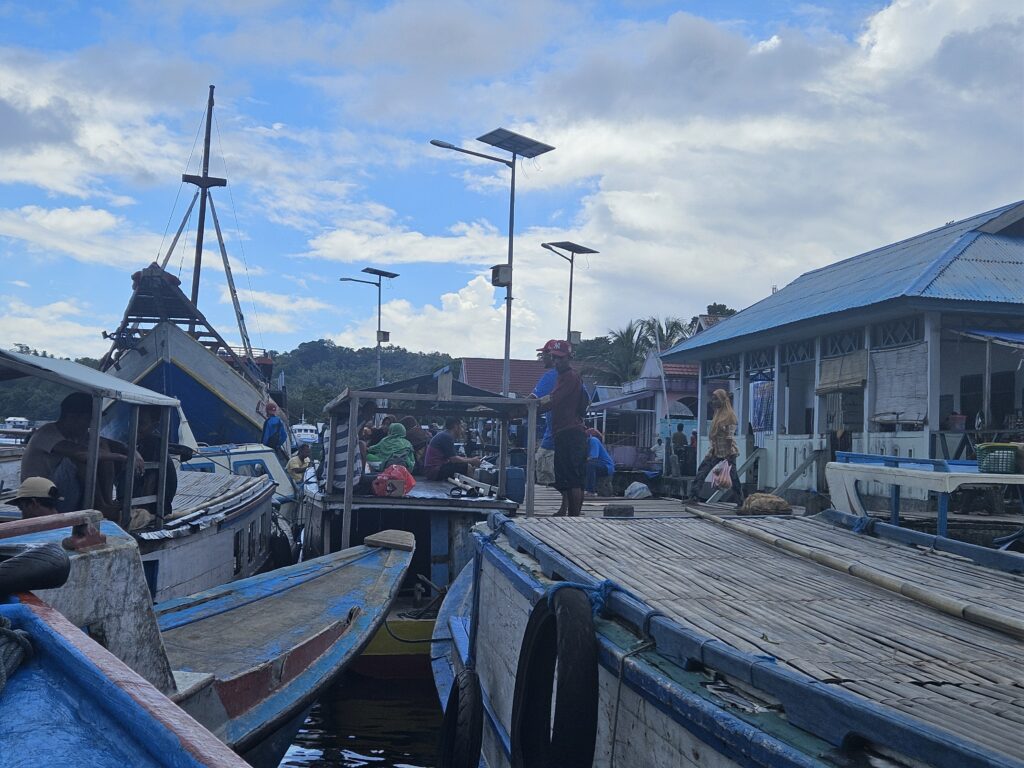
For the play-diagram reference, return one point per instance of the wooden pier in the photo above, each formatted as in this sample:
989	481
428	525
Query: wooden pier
931	635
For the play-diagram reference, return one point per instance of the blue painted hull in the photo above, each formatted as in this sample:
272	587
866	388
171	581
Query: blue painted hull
308	621
212	420
69	707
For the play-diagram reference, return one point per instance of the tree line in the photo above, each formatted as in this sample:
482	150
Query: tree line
316	371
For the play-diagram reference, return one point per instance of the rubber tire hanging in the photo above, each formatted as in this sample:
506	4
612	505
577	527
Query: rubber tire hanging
561	634
463	723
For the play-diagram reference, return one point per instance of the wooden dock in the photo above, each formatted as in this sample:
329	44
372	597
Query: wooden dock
546	501
830	604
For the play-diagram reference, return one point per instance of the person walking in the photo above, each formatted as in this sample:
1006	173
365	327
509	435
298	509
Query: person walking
722	439
568	403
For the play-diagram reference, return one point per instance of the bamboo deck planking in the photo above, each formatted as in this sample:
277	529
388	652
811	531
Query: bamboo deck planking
837	628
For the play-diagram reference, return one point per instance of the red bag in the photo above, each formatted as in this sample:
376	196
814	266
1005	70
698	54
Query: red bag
395	480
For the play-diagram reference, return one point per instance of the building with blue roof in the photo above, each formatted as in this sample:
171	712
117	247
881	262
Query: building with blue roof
888	352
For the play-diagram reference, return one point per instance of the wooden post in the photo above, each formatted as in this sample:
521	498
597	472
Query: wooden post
531	449
93	461
161	483
986	386
779	392
933	337
353	443
816	426
869	389
743	408
128	485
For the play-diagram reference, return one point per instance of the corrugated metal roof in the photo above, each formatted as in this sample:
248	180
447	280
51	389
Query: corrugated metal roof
14	365
954	262
486	373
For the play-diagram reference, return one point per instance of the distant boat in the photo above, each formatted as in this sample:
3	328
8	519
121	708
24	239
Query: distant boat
306	433
72	702
248	659
165	343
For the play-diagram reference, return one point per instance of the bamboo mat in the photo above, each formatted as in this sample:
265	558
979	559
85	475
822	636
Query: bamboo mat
546	501
961	677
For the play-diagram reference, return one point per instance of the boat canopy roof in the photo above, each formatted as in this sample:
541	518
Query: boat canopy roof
15	365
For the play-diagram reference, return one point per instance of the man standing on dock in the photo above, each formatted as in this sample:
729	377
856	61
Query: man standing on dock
544	459
568	403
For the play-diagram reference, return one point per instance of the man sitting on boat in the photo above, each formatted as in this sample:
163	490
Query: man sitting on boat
36	497
59	450
299	463
442	460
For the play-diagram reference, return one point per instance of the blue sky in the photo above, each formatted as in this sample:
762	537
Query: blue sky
708	150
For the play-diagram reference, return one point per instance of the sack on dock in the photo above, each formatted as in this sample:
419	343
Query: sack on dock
395	480
764	504
638	491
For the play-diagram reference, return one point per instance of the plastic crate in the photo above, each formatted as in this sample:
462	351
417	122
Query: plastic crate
997	458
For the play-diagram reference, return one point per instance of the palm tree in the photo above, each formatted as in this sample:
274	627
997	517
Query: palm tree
626	352
663	334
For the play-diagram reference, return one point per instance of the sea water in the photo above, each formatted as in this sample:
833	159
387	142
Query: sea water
362	721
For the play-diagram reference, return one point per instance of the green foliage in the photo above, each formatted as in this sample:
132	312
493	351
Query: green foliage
316	372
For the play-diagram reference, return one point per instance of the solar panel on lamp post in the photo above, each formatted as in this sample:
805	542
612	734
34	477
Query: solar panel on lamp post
380	274
573	249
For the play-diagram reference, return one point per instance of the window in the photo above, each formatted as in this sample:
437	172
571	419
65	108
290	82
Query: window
250	468
252	540
238	553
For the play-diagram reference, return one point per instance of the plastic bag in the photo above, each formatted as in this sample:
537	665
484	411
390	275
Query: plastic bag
395	480
637	491
721	475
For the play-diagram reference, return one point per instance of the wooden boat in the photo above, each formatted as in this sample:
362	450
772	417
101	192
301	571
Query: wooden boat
247	659
72	702
165	343
771	641
218	528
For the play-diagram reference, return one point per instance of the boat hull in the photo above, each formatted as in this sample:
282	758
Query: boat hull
270	644
128	722
221	405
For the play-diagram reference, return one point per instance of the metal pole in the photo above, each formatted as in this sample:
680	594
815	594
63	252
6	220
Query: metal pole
568	325
379	379
505	374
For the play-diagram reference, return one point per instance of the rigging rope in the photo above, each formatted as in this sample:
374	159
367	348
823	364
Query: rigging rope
181	185
15	648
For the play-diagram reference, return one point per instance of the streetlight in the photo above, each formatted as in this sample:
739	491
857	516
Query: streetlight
519	146
573	250
381	335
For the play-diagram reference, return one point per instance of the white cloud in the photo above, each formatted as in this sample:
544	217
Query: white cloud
62	328
19	283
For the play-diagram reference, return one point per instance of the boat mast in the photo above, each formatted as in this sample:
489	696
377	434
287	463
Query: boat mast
204	183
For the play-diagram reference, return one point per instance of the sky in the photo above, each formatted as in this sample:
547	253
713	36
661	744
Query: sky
707	150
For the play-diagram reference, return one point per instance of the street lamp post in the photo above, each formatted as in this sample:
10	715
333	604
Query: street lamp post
381	335
573	249
519	146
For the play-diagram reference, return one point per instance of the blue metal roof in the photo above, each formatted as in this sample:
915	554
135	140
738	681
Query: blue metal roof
954	262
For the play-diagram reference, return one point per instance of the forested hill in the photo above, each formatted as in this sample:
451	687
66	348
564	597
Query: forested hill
314	373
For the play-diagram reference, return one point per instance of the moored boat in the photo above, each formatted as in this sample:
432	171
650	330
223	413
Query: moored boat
713	642
246	659
66	700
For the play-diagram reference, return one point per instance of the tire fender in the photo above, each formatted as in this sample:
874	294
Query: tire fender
559	632
463	723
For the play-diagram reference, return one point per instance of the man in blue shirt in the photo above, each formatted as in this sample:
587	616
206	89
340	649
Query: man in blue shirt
599	461
544	459
274	433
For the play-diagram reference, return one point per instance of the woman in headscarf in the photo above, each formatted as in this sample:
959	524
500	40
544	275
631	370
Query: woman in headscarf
419	438
722	439
393	449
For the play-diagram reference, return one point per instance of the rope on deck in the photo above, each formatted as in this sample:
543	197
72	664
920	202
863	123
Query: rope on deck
15	648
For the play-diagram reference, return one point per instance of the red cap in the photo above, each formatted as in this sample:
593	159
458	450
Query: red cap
557	347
